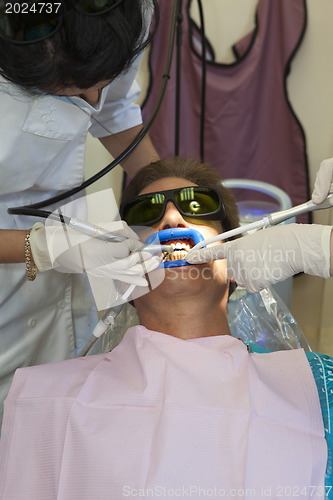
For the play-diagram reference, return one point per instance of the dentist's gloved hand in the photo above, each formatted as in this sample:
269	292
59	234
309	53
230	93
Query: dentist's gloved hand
271	255
69	251
324	182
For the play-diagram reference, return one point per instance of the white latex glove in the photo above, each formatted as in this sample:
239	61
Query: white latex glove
324	182
271	255
70	251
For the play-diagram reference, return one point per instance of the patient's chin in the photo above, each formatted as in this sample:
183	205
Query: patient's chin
195	278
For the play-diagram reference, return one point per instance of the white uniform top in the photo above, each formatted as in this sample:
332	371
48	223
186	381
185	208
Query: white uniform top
42	147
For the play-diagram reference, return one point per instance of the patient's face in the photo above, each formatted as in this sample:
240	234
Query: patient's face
172	217
198	275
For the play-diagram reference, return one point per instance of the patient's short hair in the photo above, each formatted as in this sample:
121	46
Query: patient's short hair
188	168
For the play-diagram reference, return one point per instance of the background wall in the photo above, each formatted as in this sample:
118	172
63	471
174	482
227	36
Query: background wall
310	88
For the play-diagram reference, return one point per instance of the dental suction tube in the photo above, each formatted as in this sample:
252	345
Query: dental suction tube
269	220
107	321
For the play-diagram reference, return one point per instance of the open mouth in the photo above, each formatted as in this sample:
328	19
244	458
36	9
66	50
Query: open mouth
182	239
180	249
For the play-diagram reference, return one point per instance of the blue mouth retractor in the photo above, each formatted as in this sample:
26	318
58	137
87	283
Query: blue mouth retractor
172	234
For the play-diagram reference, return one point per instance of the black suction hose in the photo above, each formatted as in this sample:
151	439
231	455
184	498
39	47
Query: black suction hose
178	76
203	83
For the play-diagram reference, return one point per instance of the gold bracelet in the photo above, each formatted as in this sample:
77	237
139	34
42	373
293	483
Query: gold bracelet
31	269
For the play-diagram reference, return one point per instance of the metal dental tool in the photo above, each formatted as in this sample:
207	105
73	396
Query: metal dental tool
100	233
268	220
95	231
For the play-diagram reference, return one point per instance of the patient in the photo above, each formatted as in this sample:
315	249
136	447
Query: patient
180	408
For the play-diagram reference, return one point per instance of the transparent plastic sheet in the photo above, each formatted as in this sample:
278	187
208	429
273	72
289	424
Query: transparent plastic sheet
264	319
114	334
261	318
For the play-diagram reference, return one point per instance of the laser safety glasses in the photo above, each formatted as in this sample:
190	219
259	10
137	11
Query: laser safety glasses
30	21
193	201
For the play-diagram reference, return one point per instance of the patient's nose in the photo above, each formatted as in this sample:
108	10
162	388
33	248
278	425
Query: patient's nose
171	218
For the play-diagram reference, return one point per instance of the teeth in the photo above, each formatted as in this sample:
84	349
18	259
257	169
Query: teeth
180	250
181	246
179	255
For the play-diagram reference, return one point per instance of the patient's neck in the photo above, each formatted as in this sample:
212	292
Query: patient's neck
186	315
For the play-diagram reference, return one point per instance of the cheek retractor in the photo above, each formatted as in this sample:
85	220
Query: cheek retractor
173	237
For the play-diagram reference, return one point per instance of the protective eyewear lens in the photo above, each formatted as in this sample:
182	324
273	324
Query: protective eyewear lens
31	21
25	22
96	7
194	202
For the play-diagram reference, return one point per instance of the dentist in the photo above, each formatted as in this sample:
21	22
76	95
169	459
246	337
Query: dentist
66	70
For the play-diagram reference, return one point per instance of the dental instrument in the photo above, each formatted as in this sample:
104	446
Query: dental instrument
93	230
174	234
97	232
107	320
268	220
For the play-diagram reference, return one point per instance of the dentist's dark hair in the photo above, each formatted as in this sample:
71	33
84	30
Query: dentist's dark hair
86	49
191	169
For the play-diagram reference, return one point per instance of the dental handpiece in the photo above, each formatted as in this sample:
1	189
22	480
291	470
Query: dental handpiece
268	220
98	232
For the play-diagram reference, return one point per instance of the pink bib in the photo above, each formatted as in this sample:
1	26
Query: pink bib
160	417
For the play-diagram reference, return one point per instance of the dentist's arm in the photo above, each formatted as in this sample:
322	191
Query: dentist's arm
72	252
68	251
142	154
274	254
